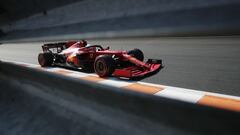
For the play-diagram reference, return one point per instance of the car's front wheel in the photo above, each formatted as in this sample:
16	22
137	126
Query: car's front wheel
104	65
137	53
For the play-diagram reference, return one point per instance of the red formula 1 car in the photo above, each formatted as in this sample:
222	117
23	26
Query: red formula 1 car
80	55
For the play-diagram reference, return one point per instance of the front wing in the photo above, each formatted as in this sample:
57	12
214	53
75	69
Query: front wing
133	72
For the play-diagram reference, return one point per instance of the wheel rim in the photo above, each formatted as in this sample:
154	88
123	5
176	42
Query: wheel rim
101	68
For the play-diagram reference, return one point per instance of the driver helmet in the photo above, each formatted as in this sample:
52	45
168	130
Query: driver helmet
82	43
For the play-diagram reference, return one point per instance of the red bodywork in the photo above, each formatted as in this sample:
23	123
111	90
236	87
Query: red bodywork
75	53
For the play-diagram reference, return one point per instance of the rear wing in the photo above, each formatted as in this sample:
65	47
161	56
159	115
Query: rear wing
56	47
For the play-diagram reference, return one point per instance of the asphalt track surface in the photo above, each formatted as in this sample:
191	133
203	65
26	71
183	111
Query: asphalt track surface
202	63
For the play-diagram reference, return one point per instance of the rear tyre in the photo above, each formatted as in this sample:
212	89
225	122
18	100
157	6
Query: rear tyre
45	59
136	53
104	65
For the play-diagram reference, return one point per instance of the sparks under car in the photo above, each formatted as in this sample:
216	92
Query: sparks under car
105	62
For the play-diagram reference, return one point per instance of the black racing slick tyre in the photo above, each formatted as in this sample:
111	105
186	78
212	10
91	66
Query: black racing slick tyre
104	65
137	53
45	59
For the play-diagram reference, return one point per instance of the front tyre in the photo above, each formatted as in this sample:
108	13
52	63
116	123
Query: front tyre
136	53
104	65
45	59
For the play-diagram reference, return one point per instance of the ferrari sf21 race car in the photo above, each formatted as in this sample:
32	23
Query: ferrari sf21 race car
105	62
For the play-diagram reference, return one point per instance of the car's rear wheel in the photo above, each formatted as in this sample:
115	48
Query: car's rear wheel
136	53
104	65
45	59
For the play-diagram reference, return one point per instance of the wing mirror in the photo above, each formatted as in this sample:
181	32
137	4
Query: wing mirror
107	48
